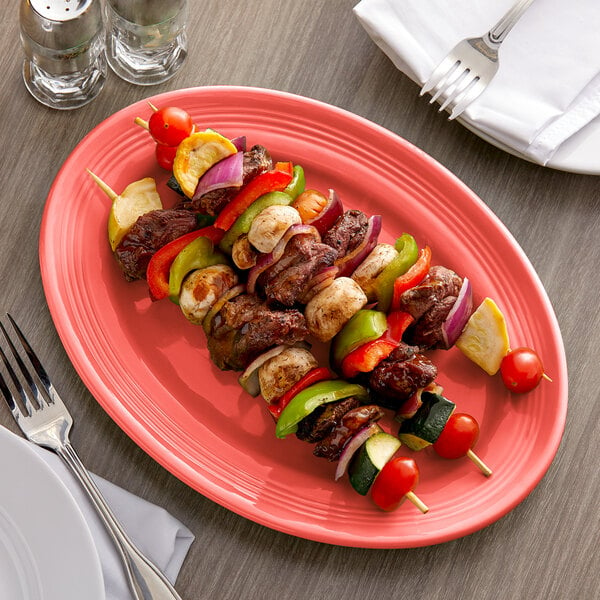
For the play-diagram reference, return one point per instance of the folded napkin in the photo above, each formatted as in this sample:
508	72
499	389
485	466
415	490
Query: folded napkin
548	85
161	537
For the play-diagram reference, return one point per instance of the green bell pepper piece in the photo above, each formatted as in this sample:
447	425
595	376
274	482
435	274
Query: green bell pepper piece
243	222
408	252
303	403
198	254
298	183
364	326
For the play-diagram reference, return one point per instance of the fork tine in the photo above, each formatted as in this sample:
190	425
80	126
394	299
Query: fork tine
447	82
38	393
438	74
474	90
7	392
459	88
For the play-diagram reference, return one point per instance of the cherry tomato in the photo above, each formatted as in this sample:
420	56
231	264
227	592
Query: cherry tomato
170	125
459	435
521	370
165	155
399	476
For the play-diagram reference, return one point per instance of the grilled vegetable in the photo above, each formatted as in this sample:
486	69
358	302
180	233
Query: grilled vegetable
370	459
428	422
270	224
197	254
313	396
329	310
243	223
202	288
281	372
196	154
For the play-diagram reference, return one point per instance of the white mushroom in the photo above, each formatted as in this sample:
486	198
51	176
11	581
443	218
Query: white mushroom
242	253
270	224
201	289
366	273
281	372
331	309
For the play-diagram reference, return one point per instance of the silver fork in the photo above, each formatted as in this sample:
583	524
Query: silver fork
470	65
45	421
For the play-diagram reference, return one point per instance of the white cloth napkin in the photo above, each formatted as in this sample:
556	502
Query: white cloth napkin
548	85
161	537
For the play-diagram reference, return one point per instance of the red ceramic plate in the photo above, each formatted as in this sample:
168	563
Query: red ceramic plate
149	368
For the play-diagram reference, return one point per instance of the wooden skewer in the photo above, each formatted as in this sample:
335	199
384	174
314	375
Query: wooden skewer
143	124
152	106
480	464
546	377
417	502
104	186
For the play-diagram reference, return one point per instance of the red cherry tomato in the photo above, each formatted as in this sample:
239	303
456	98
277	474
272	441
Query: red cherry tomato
521	370
459	435
398	477
165	155
170	125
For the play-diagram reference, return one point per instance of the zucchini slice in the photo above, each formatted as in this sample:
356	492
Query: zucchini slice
424	428
370	459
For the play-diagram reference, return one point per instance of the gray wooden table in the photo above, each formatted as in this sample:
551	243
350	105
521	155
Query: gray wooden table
546	547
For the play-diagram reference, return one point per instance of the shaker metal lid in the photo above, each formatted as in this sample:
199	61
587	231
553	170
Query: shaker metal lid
60	10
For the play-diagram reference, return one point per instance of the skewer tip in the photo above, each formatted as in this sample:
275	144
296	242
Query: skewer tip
412	497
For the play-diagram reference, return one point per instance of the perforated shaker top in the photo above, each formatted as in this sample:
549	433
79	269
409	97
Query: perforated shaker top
60	10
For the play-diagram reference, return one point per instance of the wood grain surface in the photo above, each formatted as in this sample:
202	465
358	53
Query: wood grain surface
546	548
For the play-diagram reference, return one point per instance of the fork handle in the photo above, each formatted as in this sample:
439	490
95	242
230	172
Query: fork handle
144	578
502	28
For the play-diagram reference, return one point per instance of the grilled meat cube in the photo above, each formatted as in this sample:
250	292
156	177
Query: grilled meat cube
397	377
355	419
429	303
321	421
150	233
245	327
257	160
347	232
286	280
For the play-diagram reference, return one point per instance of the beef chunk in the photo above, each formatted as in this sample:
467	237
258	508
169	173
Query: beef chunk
347	232
354	420
245	327
257	160
400	375
286	281
150	233
316	426
429	303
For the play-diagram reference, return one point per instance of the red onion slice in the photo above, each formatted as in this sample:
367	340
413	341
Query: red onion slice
239	142
355	442
318	283
459	315
331	212
267	260
350	262
226	173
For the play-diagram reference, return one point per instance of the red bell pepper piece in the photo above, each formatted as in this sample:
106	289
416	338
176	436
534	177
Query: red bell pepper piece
398	322
157	272
271	181
366	357
313	376
412	277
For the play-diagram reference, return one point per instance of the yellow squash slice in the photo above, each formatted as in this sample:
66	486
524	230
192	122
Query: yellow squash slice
484	339
135	200
196	154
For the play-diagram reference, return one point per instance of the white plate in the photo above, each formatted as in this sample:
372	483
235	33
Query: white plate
579	154
46	549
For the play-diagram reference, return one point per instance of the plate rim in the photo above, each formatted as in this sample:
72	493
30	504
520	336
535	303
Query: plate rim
55	490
